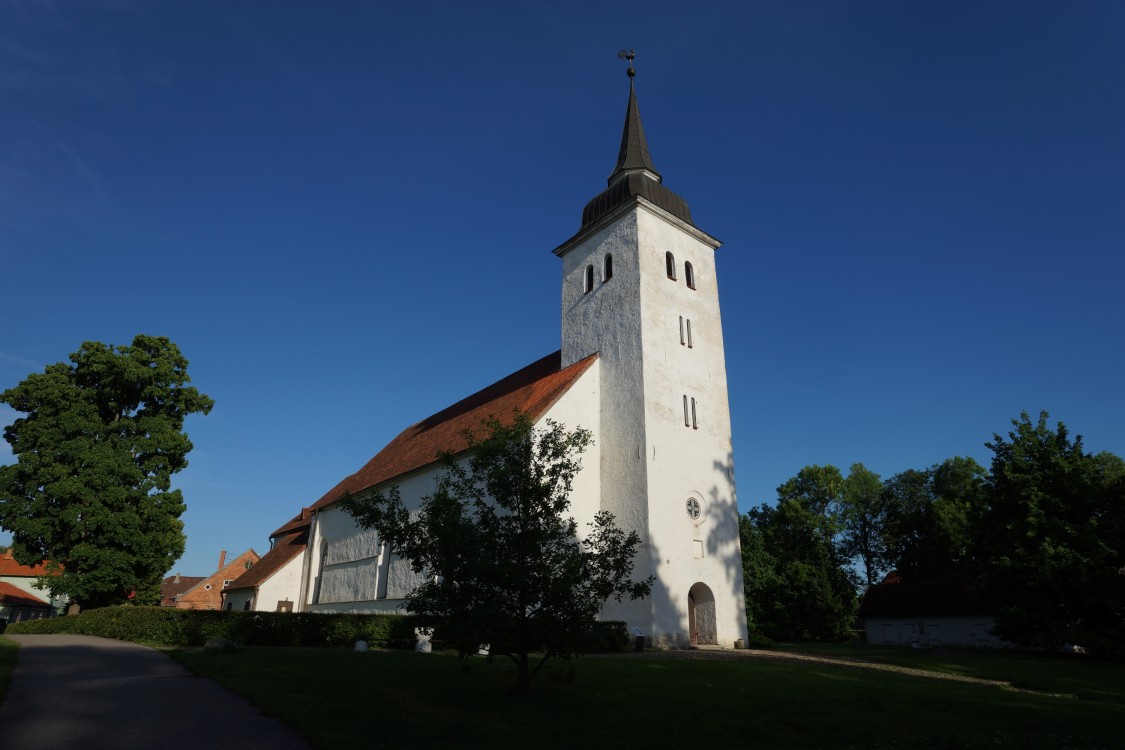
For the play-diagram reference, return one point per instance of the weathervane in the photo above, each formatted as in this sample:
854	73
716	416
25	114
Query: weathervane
629	54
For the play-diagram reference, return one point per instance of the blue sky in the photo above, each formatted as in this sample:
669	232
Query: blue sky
343	214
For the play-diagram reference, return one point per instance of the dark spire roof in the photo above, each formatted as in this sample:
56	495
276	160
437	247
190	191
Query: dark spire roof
634	148
634	174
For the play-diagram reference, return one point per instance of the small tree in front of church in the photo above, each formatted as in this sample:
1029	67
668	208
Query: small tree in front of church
500	561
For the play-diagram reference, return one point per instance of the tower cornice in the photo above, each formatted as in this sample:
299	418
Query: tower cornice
636	202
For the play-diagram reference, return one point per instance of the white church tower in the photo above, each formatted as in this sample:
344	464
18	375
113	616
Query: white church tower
639	289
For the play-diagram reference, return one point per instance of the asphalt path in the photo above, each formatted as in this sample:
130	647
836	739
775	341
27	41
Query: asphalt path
77	691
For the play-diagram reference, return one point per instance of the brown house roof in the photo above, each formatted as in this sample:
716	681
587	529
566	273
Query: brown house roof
10	596
172	586
300	521
284	549
937	598
532	390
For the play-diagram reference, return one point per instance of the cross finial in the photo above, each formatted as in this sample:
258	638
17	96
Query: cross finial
629	54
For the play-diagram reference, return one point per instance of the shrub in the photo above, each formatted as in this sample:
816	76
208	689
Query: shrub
757	640
186	627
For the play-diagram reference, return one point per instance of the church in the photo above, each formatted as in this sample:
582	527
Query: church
642	366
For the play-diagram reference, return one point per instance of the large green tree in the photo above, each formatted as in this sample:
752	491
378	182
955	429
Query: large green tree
91	487
797	583
500	562
862	518
929	517
1051	540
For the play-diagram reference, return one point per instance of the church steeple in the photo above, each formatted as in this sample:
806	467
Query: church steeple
633	156
634	177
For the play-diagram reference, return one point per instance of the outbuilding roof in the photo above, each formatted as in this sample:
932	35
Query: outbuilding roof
932	598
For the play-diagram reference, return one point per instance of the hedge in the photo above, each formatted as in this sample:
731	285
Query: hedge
167	626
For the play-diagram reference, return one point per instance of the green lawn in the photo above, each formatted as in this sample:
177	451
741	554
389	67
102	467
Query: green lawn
340	699
1073	674
8	649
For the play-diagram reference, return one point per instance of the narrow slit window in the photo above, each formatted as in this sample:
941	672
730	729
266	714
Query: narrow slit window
589	279
689	275
687	423
682	339
694	422
689	344
607	268
670	265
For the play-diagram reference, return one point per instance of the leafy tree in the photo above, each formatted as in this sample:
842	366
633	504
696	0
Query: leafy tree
929	517
797	587
862	519
1053	532
500	563
90	490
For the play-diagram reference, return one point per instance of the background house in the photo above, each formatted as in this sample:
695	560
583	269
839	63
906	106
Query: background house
936	613
274	583
208	593
21	597
172	587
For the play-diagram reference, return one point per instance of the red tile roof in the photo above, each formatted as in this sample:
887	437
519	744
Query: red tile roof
300	521
10	596
285	548
9	566
532	390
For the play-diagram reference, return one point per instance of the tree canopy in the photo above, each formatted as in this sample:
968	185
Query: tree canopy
499	560
797	585
91	487
1053	531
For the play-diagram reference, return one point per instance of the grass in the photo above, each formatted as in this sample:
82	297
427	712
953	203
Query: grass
340	699
8	650
1073	674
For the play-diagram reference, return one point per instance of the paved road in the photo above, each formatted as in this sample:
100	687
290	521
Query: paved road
81	692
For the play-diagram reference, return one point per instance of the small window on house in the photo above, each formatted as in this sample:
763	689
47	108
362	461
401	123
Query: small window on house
687	422
206	587
247	565
689	275
694	422
226	583
589	279
689	344
230	606
682	339
670	265
246	606
607	268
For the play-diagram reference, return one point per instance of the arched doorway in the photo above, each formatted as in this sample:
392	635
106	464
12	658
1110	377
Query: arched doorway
701	615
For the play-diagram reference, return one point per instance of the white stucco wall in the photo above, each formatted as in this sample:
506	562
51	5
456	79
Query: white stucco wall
27	585
929	630
284	584
236	600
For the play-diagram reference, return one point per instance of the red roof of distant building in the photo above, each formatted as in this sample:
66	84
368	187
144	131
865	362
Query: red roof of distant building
173	586
10	596
9	566
532	390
